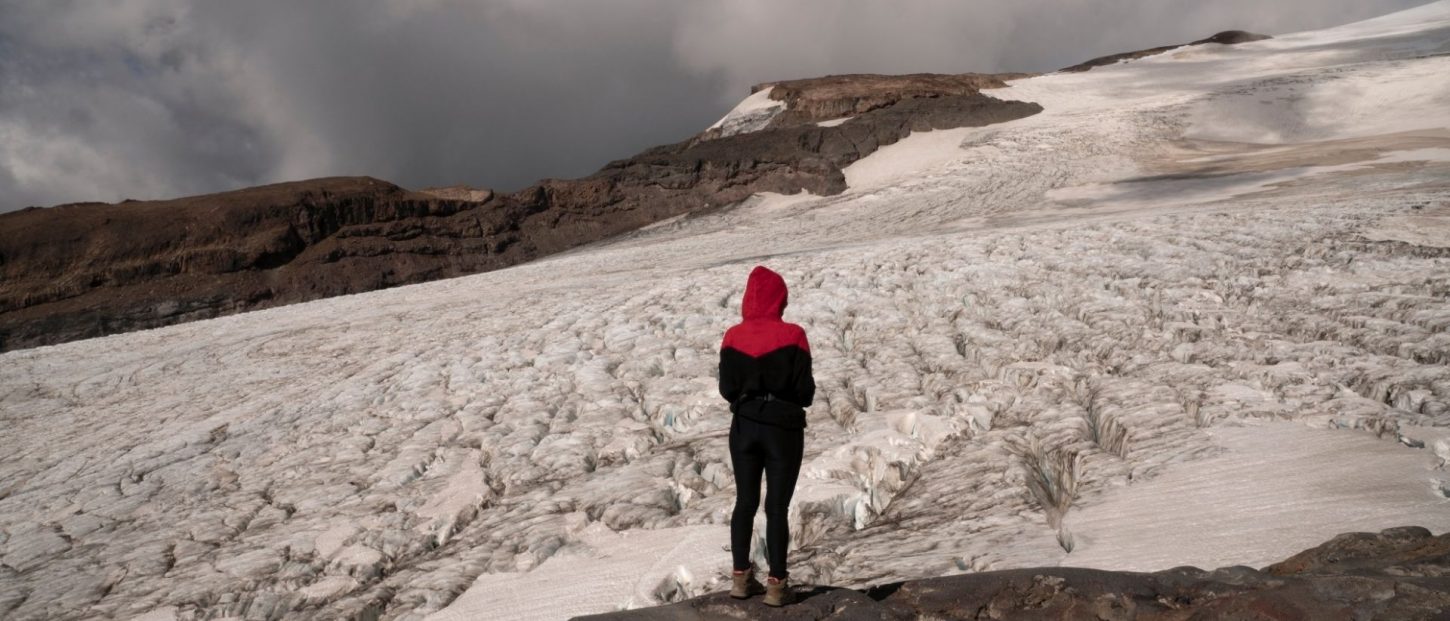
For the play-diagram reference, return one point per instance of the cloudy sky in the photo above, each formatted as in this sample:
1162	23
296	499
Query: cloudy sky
161	98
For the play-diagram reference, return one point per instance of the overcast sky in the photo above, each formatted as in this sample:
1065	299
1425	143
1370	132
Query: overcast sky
161	98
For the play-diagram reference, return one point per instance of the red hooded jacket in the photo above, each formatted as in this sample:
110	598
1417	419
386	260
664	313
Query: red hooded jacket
765	363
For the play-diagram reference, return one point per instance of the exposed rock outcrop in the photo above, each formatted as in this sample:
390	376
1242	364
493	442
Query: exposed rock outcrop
459	192
1400	573
86	270
77	271
1227	37
829	98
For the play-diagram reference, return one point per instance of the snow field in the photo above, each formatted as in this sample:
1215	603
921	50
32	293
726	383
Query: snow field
1160	329
1295	479
933	356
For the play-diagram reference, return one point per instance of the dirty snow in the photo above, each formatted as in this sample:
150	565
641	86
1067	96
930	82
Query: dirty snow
1111	289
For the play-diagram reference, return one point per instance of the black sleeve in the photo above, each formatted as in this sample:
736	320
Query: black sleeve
730	381
805	383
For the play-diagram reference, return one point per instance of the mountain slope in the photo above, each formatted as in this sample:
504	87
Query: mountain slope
86	270
80	271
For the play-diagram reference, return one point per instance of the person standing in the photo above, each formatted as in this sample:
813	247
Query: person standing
765	374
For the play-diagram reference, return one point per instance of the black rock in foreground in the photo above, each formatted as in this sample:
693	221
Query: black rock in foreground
1400	573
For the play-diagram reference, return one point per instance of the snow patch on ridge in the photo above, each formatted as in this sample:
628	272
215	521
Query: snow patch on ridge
752	114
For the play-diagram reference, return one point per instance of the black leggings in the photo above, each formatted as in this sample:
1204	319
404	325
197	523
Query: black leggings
755	447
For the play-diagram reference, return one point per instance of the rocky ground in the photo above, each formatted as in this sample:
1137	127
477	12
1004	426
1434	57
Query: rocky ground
1399	573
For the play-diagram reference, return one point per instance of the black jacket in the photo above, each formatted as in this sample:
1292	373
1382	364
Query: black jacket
765	363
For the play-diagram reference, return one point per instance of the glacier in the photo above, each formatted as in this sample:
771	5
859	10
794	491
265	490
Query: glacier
1204	294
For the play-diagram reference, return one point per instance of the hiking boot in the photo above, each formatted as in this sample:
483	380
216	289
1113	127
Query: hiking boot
777	592
745	584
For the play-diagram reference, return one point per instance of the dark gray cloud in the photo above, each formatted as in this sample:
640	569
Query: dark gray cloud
160	98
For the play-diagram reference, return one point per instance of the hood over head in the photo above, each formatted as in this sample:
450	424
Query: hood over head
765	295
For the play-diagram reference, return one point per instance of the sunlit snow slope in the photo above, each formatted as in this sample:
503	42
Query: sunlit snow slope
1214	283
